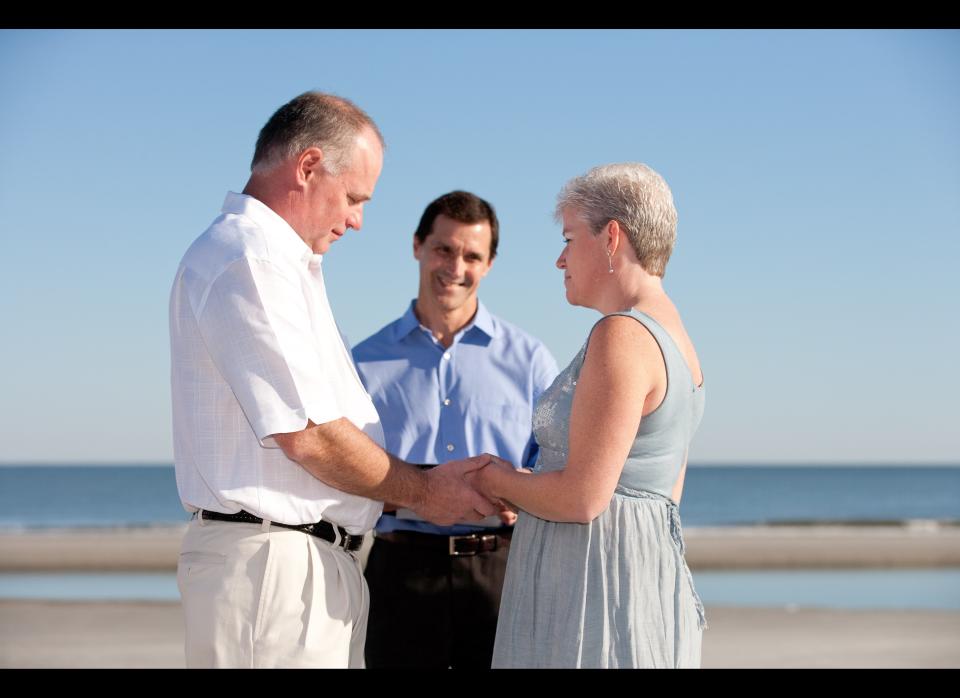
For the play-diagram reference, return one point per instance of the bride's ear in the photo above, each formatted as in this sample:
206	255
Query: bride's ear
612	232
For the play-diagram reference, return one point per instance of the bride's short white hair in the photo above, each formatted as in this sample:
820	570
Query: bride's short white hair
635	196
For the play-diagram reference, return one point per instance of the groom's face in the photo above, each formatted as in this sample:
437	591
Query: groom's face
453	259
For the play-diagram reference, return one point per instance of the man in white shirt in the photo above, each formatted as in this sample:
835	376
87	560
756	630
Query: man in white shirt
278	448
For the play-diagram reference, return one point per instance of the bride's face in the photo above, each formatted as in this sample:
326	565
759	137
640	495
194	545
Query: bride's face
583	260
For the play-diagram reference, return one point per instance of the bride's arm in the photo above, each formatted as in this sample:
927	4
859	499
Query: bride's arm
619	371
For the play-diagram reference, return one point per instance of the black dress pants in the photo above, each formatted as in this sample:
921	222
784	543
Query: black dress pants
429	609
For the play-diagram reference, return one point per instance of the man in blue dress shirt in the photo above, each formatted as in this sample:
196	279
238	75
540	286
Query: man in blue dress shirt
449	380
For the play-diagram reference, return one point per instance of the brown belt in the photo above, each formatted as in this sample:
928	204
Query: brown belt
456	546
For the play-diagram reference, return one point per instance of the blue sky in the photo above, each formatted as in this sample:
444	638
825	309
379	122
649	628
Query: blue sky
816	175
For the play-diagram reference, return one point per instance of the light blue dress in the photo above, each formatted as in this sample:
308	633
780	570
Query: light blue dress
615	592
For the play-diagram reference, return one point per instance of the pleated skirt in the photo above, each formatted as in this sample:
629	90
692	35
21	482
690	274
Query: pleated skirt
614	593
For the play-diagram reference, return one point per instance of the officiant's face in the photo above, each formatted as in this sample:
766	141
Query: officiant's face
453	259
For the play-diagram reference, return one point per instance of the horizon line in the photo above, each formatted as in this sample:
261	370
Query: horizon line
699	464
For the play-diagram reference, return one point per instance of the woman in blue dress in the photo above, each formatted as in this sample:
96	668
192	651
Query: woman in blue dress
596	575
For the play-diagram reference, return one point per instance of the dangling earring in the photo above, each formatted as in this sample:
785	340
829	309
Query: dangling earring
609	262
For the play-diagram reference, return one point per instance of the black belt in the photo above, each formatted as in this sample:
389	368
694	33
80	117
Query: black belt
456	546
322	529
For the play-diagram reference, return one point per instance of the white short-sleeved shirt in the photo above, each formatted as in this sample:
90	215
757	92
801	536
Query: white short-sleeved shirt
254	352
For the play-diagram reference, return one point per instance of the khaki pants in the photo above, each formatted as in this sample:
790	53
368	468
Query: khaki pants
262	596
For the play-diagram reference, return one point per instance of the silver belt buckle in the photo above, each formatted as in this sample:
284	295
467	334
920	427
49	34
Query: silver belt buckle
453	547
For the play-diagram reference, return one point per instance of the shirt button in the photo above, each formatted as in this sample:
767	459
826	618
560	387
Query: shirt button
447	401
449	447
446	356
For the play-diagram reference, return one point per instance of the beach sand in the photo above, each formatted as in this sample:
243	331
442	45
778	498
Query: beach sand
150	634
135	634
748	547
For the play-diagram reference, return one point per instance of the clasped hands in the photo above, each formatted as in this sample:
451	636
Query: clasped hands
462	491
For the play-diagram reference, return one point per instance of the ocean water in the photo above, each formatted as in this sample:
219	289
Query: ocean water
849	589
33	497
83	496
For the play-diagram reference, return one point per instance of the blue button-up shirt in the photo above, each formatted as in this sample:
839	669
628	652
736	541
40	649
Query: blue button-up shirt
439	404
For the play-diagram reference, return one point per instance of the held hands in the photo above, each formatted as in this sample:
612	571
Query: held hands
489	482
450	496
466	490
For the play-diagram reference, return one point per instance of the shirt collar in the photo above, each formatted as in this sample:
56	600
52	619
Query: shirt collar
408	322
482	320
281	236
